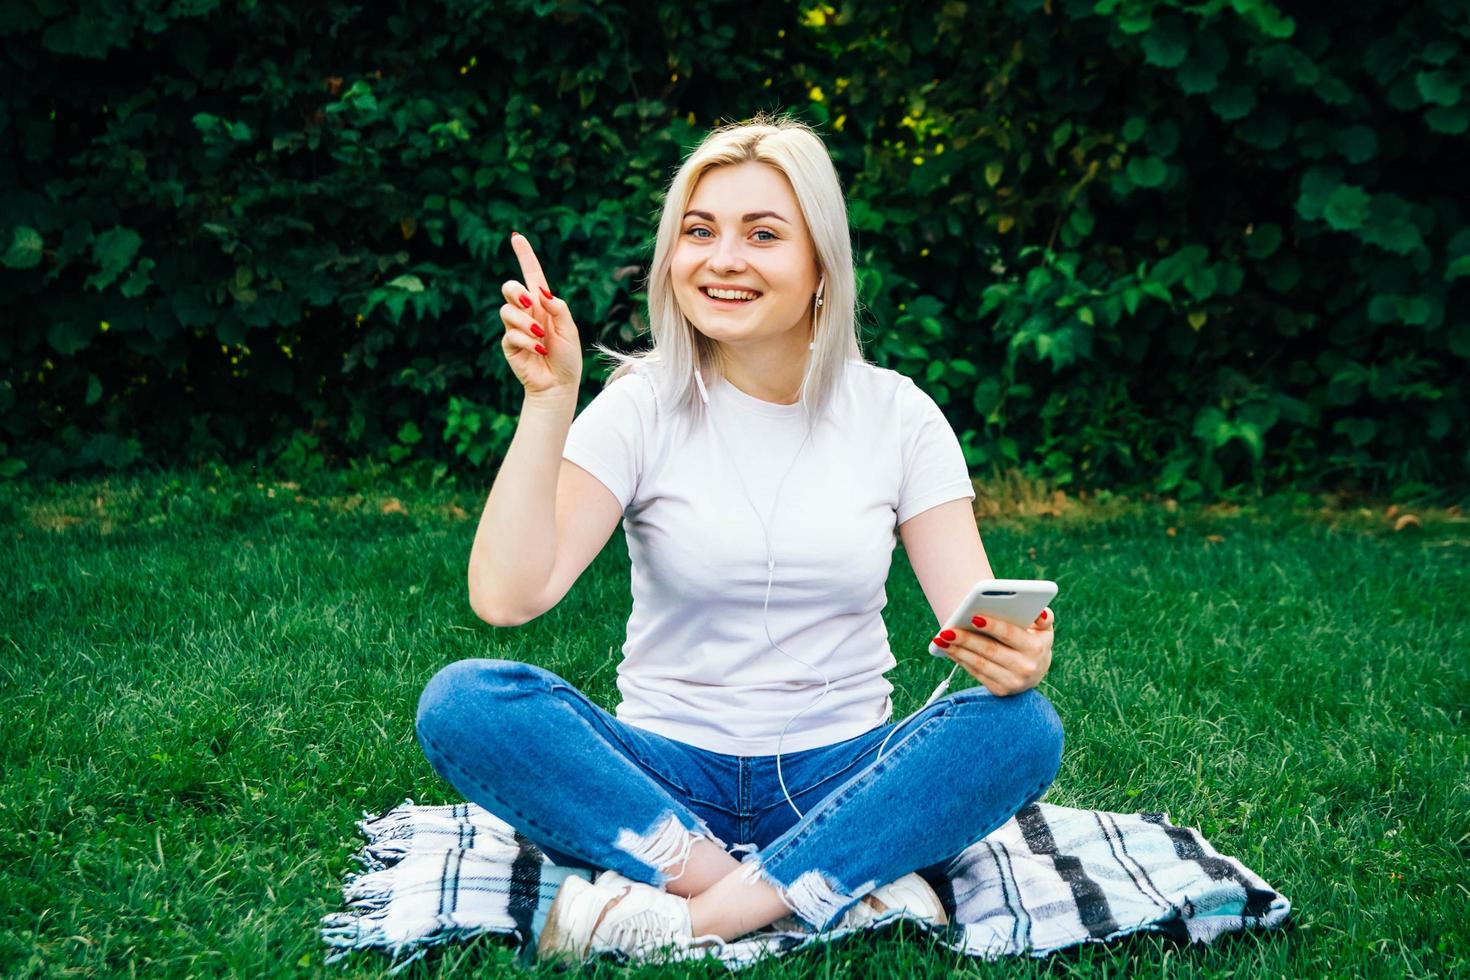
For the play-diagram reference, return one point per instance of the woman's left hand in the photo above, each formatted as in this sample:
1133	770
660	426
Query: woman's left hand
1007	659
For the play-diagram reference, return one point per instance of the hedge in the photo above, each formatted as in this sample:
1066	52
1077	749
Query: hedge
1189	249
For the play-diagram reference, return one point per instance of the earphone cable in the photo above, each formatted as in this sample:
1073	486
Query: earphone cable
771	575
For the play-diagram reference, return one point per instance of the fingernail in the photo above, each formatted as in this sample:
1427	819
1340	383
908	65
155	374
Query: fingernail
947	634
1043	614
540	349
546	292
537	331
939	642
526	302
515	233
978	620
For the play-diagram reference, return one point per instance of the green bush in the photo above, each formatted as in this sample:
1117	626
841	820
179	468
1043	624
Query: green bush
1183	248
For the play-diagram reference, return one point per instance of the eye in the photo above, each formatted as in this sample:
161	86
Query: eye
758	231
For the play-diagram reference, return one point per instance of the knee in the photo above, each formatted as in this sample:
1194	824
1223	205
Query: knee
1039	730
468	689
1029	726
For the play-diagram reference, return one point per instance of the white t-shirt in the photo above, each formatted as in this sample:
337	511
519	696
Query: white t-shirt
697	665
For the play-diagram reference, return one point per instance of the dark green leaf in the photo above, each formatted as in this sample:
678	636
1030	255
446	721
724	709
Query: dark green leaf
1439	51
113	251
1438	87
1233	101
1317	187
1450	120
1263	241
1347	208
1147	171
1360	431
25	249
1196	79
1163	137
1357	144
66	337
1167	44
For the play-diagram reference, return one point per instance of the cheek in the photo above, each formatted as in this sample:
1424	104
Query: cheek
683	273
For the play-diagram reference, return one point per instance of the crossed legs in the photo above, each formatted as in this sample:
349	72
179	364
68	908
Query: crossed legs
973	759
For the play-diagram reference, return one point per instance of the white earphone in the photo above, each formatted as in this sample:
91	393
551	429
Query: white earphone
771	570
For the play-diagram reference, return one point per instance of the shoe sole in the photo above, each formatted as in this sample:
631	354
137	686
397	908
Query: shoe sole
555	943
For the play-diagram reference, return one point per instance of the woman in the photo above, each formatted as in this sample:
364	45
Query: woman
752	439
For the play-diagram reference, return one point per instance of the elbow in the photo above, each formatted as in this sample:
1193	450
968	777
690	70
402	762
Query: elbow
493	614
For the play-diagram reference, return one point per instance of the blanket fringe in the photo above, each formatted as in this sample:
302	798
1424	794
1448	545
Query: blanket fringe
366	928
389	825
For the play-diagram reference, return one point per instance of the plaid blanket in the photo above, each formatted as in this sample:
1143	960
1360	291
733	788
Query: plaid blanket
1051	877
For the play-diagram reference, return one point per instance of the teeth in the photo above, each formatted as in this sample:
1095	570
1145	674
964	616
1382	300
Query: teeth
729	294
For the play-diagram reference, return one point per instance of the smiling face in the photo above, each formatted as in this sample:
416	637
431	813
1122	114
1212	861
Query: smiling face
743	228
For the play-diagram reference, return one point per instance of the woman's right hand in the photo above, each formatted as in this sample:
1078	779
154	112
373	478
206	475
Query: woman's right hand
533	319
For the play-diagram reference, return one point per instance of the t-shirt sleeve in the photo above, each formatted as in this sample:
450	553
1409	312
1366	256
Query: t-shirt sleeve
934	468
608	438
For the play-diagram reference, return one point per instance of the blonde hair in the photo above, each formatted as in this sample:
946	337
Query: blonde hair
678	348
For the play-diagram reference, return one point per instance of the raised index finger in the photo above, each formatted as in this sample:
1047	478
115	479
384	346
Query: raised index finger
531	273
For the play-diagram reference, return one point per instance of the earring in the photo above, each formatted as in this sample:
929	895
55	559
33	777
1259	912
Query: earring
820	286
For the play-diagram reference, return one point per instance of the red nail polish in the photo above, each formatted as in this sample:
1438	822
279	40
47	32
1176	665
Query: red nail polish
540	349
947	634
1043	614
939	642
979	621
537	331
525	301
546	292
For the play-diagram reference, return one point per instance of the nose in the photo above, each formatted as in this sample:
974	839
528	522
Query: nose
727	256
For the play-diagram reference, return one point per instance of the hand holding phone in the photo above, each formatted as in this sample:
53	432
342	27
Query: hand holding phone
1012	600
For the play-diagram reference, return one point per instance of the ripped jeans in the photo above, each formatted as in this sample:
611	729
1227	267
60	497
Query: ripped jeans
595	792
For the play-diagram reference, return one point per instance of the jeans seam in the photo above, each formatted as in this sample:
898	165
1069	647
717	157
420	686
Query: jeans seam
655	771
858	782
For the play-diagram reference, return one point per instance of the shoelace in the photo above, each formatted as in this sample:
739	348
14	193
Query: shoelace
649	930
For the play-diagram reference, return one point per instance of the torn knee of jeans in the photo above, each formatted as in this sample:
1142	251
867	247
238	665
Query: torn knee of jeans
815	896
666	845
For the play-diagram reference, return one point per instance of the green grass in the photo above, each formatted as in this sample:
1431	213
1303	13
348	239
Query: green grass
205	680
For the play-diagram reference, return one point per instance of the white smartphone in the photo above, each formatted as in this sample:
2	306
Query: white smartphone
1012	600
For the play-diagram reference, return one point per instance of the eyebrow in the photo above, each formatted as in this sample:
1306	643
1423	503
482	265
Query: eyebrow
745	217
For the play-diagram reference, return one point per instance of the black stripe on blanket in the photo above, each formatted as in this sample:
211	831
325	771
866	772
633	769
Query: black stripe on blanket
1010	890
1186	846
449	882
1092	905
1113	835
525	885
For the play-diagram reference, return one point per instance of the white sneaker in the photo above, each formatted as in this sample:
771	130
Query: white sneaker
910	893
584	921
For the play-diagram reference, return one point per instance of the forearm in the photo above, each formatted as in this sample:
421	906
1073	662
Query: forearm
515	545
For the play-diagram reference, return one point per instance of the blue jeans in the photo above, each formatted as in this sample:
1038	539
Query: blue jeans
595	792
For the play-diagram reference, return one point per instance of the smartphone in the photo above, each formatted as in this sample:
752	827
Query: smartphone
1012	600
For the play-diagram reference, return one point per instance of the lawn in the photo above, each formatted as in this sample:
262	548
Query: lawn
206	677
